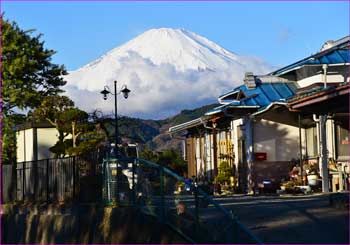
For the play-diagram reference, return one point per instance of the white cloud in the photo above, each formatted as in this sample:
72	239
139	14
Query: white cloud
157	91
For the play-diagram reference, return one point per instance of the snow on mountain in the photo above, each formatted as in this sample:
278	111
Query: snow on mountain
166	69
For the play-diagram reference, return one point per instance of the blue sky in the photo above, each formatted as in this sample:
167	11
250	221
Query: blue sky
278	32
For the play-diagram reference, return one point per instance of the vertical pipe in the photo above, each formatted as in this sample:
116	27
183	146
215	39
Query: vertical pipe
300	152
324	67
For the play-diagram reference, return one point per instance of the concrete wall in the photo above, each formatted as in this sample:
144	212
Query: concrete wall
82	224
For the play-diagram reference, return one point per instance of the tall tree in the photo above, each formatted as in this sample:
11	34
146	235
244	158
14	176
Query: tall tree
28	75
60	112
77	135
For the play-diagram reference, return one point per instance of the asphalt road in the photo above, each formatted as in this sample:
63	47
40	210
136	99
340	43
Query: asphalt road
291	219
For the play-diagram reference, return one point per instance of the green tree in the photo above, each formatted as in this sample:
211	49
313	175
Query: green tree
169	158
149	155
27	72
28	76
224	173
60	112
9	137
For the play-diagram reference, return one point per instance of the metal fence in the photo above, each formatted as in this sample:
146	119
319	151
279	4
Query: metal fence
182	205
53	180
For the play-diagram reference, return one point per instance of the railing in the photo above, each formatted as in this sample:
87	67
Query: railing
53	180
158	191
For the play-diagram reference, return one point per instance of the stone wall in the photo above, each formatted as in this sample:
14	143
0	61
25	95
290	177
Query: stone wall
81	224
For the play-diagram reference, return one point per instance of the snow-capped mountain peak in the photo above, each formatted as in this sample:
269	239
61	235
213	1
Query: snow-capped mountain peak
182	49
158	61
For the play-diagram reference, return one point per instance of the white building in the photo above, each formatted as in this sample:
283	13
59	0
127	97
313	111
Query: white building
34	141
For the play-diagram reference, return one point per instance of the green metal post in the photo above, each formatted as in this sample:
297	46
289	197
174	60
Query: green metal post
74	179
235	229
196	210
161	175
133	184
23	180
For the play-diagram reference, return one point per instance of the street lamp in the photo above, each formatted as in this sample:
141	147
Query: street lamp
125	91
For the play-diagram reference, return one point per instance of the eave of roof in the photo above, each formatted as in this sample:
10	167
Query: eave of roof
213	112
338	54
186	125
317	95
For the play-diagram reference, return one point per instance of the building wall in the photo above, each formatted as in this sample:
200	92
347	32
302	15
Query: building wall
281	144
279	141
34	143
47	137
25	146
20	146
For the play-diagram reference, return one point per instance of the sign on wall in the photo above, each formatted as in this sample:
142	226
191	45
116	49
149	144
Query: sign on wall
260	156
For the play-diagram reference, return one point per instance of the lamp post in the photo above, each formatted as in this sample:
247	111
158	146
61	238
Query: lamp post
125	91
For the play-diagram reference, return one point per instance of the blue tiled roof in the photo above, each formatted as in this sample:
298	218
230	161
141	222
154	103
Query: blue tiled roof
260	97
336	55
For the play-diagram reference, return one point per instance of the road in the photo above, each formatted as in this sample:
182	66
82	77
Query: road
291	219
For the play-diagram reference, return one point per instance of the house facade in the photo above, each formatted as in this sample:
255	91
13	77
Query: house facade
257	130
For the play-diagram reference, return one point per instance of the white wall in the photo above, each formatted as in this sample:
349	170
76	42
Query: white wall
235	137
20	145
334	78
47	137
279	141
330	138
25	146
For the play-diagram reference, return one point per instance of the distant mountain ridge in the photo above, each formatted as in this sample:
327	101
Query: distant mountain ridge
153	133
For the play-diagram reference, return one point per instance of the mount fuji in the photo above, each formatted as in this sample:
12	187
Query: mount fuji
166	69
